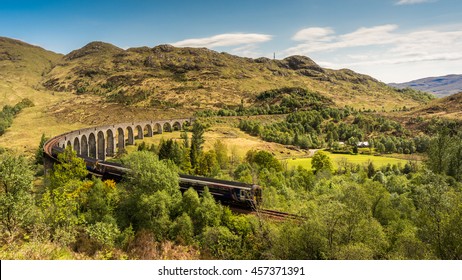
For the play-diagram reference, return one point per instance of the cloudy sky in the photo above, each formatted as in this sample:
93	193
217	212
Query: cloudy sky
391	40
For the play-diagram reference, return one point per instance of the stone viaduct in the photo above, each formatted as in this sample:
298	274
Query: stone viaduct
104	141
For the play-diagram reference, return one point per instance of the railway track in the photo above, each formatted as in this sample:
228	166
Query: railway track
278	215
273	214
197	182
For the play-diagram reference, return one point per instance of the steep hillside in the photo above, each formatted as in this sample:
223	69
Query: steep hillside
440	86
448	107
190	78
24	62
21	69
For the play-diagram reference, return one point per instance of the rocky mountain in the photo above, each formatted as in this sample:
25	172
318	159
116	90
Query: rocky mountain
440	86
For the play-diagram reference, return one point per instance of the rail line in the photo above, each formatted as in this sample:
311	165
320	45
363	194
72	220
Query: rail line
240	197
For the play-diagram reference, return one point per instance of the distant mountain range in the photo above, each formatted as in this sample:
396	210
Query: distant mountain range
440	86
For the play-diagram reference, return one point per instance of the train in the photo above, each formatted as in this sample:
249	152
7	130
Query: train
236	194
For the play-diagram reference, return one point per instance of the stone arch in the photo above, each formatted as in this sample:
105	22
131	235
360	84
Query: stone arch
120	139
176	126
131	138
77	145
92	145
84	146
139	132
147	130
158	128
167	127
110	143
68	143
101	146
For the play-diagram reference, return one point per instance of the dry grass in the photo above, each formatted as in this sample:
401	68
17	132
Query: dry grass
38	251
145	247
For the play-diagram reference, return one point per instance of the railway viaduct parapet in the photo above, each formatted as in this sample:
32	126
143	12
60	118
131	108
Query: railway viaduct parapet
102	141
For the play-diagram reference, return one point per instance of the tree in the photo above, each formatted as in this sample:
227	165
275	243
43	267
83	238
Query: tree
455	161
321	162
148	174
170	149
197	140
370	170
220	243
70	167
208	164
208	214
184	136
221	151
16	201
263	159
380	148
190	202
182	229
60	202
39	152
439	153
151	193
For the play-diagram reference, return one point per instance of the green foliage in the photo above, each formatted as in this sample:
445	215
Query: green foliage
105	234
190	202
170	149
148	175
263	159
16	201
61	210
8	113
416	94
197	141
445	154
208	164
70	167
321	162
182	230
276	101
221	152
208	214
39	152
220	243
153	213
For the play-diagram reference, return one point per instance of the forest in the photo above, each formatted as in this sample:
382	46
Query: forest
349	212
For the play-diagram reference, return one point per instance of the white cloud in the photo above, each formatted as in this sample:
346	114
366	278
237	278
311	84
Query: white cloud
392	47
378	46
224	40
314	34
365	36
411	2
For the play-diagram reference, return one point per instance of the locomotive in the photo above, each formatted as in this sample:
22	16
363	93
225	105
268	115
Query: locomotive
230	193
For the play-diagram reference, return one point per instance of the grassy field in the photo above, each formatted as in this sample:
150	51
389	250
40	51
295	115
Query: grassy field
356	159
237	141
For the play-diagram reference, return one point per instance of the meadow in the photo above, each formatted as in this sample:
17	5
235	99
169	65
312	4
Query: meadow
378	161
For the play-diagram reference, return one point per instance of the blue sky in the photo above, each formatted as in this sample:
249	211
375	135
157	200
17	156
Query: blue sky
391	40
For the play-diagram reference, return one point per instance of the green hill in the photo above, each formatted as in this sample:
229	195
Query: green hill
101	83
23	62
192	78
